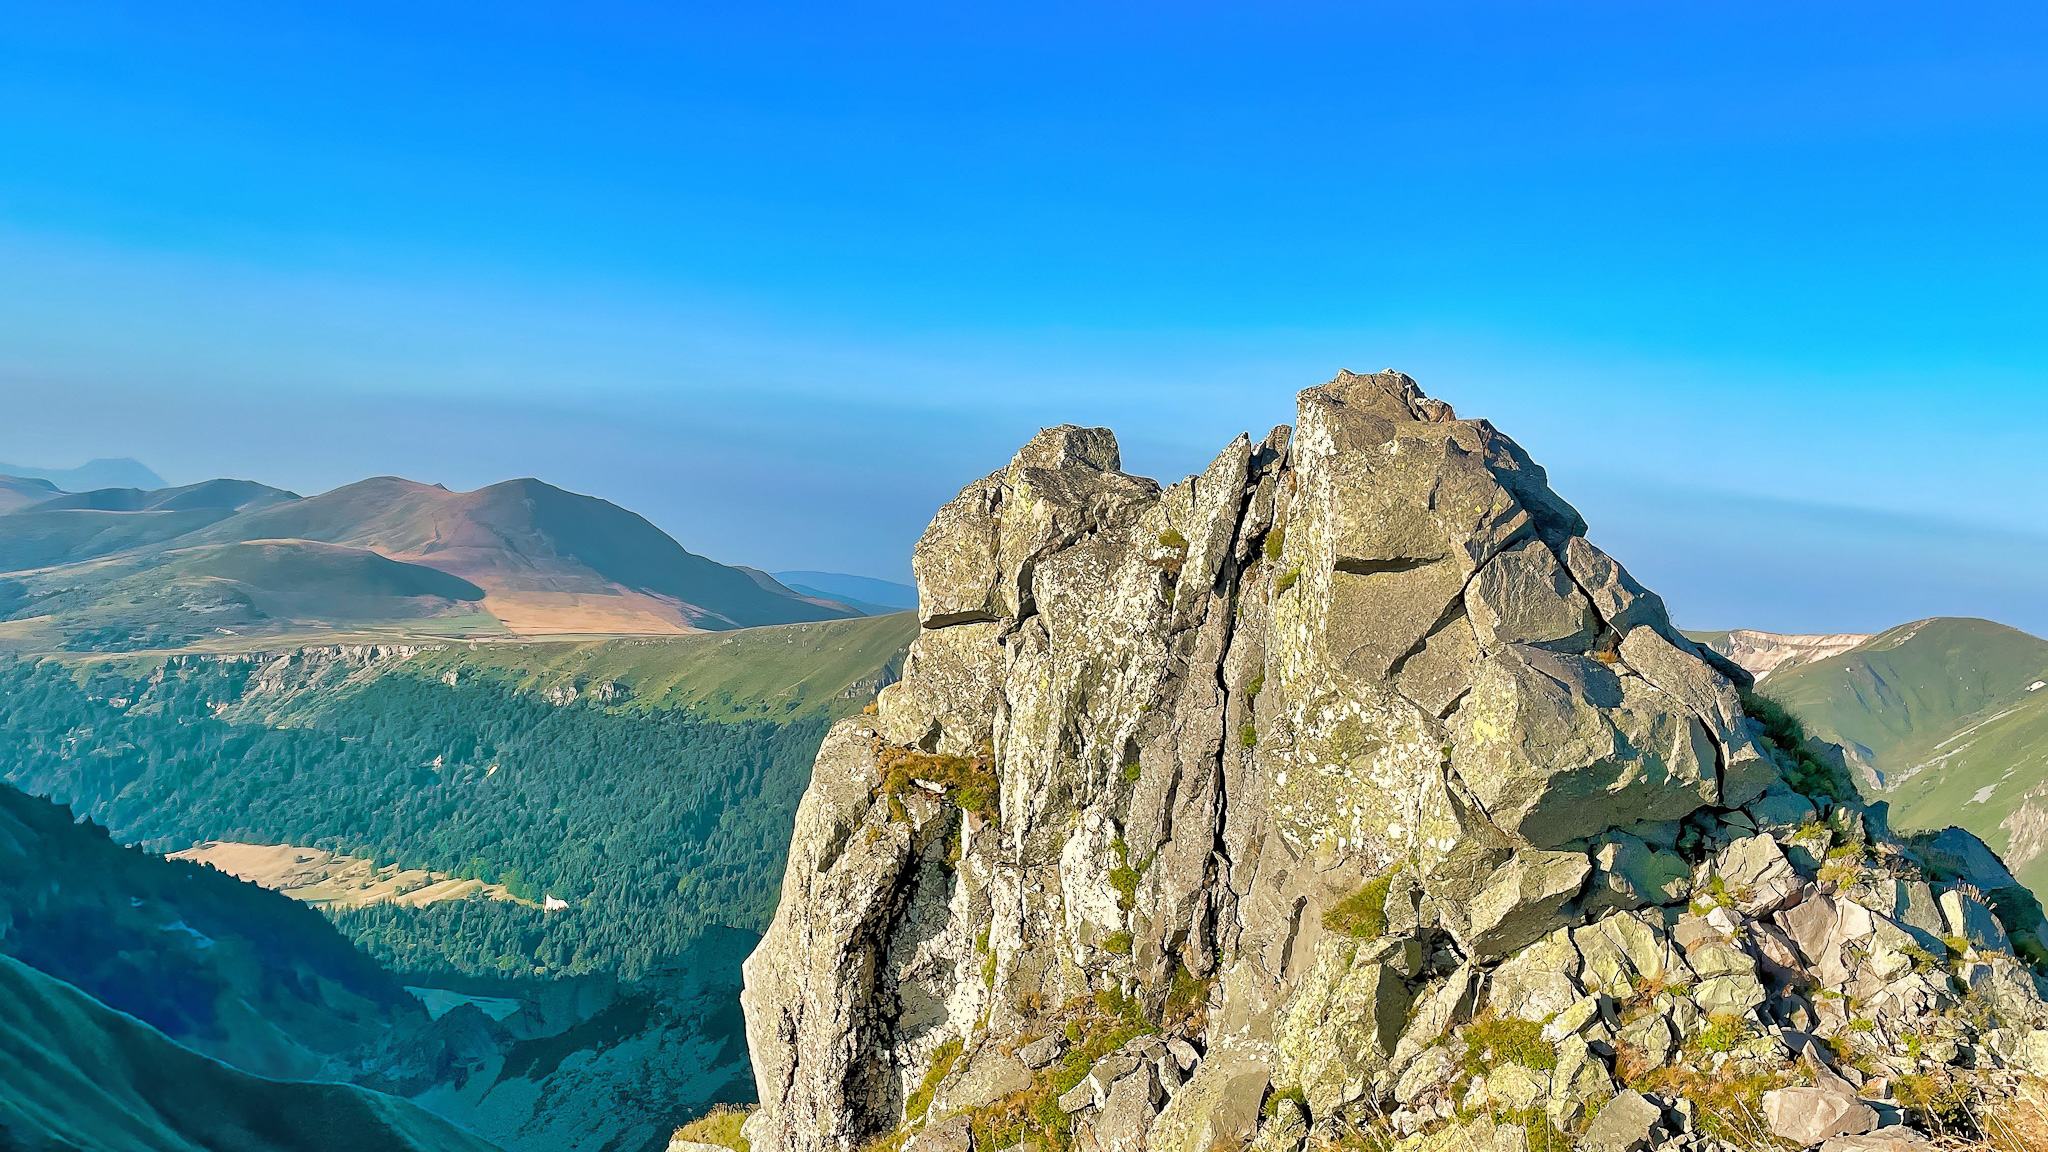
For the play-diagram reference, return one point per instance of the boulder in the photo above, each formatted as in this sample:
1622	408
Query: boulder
1969	918
1427	1074
1524	596
1042	1051
1757	875
2026	1049
1811	1115
1478	1135
1627	1123
1218	1106
1960	853
1917	910
1580	1079
1650	1037
945	701
1673	665
990	1074
1342	1029
1780	809
1538	982
1128	1111
1629	874
951	1134
1581	1016
1521	901
1516	1087
1435	1014
1107	1071
1621	601
1558	747
1735	994
1622	951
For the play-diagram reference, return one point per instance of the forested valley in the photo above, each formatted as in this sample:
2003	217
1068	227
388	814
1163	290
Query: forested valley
651	824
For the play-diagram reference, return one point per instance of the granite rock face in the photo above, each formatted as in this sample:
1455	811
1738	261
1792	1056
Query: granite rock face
1280	762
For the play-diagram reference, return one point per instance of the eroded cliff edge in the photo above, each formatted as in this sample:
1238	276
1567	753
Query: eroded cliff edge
1230	810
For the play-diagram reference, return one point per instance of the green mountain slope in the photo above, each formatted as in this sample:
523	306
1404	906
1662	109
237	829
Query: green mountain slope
226	968
527	541
1948	720
75	1074
85	526
268	986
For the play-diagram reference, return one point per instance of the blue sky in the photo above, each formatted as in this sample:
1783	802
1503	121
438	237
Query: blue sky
1761	284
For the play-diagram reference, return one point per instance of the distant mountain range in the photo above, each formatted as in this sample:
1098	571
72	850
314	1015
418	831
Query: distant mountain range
1945	718
130	568
875	597
121	473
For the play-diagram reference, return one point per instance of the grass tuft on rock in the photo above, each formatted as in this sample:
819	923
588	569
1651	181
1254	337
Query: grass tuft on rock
720	1126
1363	913
1123	877
920	1101
1491	1041
1276	541
969	783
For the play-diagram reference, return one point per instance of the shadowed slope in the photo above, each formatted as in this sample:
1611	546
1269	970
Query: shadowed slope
76	1074
224	967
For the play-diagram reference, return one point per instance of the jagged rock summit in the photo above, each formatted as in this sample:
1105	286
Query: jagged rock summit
1343	781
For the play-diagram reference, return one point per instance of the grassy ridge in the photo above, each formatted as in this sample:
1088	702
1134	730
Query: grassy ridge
1899	696
1946	714
788	671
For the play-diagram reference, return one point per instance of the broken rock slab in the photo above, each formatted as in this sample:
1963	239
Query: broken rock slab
1218	1106
1521	901
1626	1123
1630	874
1757	875
1811	1115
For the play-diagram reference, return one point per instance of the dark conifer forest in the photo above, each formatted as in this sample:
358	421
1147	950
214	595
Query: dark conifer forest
653	825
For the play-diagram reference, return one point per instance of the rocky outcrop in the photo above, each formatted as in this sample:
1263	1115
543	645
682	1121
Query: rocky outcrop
1275	802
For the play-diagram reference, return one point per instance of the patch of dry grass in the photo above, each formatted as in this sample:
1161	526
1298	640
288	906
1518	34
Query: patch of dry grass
720	1126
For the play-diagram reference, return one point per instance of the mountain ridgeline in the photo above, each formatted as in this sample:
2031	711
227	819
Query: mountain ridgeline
224	561
1346	796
